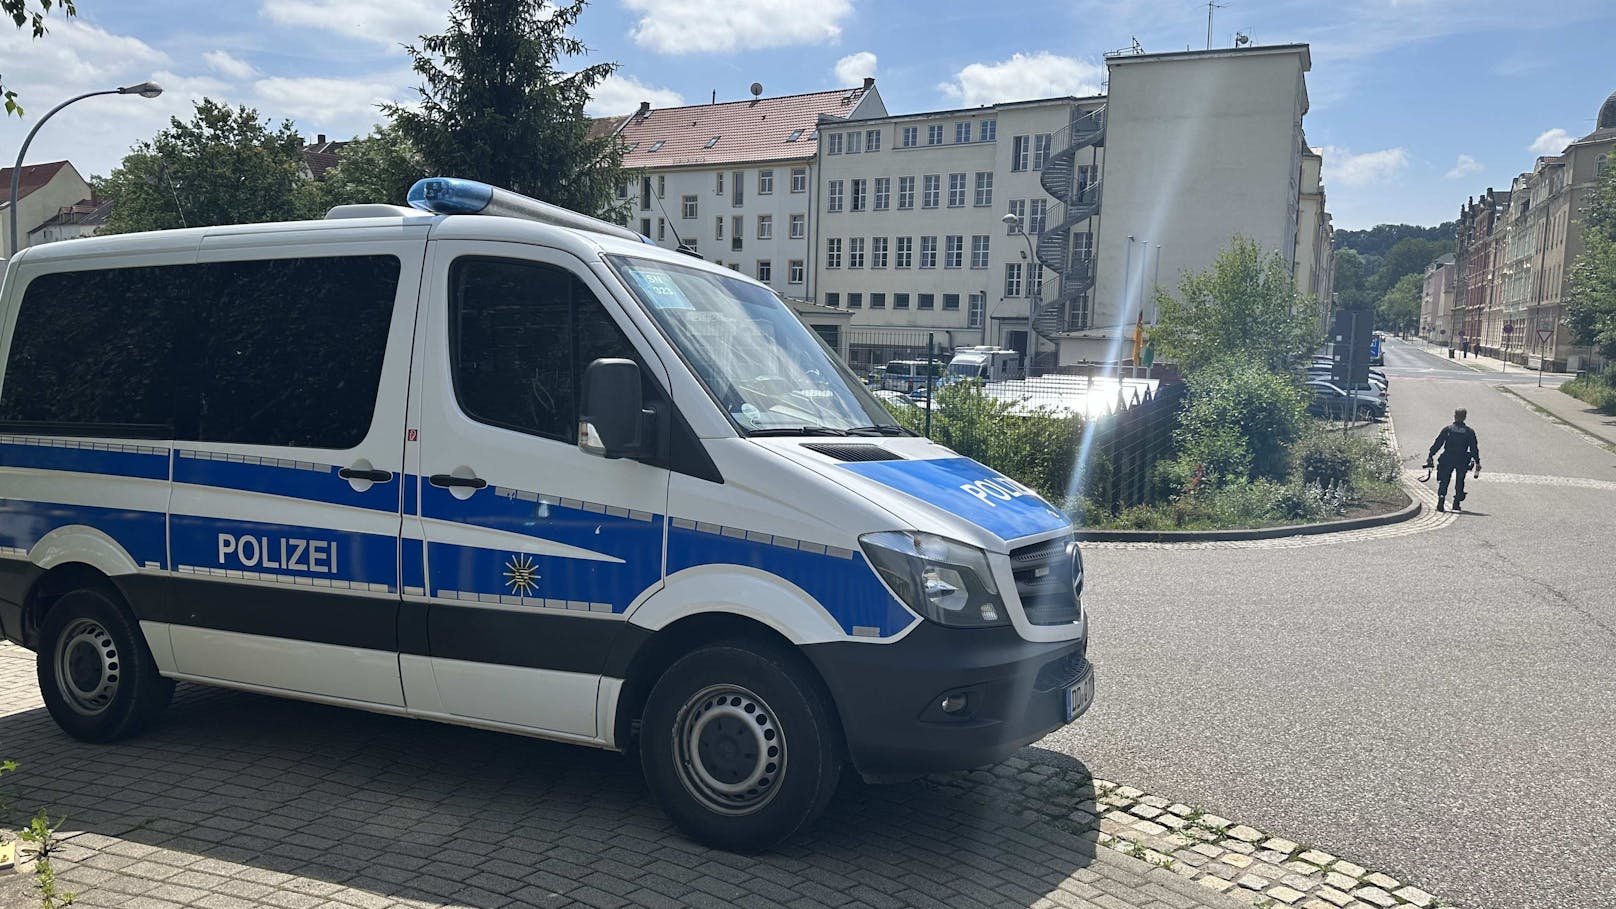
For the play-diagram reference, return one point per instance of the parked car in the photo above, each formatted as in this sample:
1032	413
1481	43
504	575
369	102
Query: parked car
1375	379
1330	400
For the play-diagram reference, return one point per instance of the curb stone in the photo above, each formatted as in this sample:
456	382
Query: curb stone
1550	415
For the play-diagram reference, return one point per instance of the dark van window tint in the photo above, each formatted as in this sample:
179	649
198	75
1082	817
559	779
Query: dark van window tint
521	334
277	352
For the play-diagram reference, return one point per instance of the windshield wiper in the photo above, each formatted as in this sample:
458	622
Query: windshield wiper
892	430
797	431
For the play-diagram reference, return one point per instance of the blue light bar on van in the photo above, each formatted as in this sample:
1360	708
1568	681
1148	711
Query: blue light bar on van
456	196
450	196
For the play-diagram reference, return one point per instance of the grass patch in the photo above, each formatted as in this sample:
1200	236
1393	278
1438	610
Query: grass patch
1598	389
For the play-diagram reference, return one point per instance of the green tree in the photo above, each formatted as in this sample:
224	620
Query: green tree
1349	280
24	15
1240	421
1398	309
225	166
1245	307
1408	256
378	168
1377	241
1591	309
497	106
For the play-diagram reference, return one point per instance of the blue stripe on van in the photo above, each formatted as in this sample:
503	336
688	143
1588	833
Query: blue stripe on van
846	586
319	484
319	554
140	533
45	456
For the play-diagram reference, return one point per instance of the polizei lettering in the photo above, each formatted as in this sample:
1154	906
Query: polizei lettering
284	553
1000	488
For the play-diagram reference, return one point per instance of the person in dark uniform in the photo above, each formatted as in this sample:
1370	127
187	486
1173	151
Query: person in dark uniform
1460	450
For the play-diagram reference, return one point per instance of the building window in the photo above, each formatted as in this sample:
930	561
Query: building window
956	190
905	253
883	193
799	179
1038	217
1012	279
794	271
906	193
690	243
859	199
900	301
855	301
833	299
833	201
1035	279
973	316
951	301
855	252
661	186
623	190
645	227
934	134
984	188
1019	148
645	195
796	134
930	190
662	228
765	182
962	132
928	252
979	251
855	142
718	181
737	228
718	228
688	208
1018	207
872	140
737	189
878	301
765	230
925	301
799	226
954	251
765	271
1040	154
989	131
712	142
835	144
657	145
878	252
911	136
833	253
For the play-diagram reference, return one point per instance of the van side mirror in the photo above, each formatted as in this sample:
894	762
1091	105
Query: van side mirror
612	419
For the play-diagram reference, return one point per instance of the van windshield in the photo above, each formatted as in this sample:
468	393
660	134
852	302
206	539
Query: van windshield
769	371
967	370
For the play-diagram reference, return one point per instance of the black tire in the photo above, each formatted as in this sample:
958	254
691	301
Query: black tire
740	746
95	671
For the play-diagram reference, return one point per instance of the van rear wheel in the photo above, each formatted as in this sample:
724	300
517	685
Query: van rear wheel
96	674
740	746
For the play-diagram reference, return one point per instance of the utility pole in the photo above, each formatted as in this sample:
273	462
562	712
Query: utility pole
1210	6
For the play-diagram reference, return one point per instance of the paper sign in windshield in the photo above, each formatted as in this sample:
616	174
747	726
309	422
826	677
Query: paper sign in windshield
660	290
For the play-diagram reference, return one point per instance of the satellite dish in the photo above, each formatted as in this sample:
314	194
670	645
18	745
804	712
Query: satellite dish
1241	39
757	89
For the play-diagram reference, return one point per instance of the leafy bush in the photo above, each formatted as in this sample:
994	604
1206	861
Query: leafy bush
1598	389
1031	445
1239	422
1324	458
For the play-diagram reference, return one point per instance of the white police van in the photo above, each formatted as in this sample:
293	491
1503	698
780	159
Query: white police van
522	472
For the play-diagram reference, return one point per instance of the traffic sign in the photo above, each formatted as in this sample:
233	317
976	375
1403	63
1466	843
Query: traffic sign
1509	328
1544	334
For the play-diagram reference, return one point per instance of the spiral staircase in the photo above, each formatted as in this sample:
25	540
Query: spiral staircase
1074	203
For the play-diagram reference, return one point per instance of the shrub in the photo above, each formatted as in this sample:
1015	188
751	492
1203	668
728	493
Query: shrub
1598	389
1032	445
1325	459
1240	421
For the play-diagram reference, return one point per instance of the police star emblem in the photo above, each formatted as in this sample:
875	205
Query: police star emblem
521	575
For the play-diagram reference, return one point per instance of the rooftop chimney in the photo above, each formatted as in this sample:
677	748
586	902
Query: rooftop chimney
645	109
319	139
869	82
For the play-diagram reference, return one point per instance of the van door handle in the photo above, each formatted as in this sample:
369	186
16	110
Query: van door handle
450	481
360	473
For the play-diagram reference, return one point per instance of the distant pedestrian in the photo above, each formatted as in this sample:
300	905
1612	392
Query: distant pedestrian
1460	450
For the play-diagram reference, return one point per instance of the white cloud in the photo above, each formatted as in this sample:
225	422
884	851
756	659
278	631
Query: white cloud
851	69
335	106
234	67
622	95
1464	167
1342	167
1023	77
700	26
1551	142
388	22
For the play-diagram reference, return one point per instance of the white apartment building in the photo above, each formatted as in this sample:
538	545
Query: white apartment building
734	181
1315	235
909	233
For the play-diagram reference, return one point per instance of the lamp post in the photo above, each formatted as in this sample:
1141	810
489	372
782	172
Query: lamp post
144	90
1013	221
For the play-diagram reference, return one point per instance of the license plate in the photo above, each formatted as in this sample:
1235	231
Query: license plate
1079	697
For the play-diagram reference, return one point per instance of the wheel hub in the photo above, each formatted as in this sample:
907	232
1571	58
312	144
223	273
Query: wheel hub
87	667
731	750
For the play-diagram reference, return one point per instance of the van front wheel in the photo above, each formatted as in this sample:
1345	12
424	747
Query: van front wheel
96	674
739	746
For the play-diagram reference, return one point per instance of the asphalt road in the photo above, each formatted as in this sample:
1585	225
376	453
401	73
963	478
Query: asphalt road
1440	705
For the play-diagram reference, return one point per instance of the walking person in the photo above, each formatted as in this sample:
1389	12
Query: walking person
1460	449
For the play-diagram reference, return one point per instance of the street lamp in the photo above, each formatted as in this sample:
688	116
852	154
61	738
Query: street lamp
144	90
1013	221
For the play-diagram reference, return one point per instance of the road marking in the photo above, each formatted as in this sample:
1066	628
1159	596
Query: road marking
1544	480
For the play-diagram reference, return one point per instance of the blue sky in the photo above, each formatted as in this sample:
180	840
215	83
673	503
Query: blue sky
1418	103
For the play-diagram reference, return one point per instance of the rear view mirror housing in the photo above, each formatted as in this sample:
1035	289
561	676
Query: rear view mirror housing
612	419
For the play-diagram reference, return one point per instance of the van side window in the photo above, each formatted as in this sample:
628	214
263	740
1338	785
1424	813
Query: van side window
520	335
284	352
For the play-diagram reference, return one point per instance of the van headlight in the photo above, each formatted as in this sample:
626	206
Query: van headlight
944	580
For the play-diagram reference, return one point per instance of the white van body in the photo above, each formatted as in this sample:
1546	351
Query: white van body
984	363
330	477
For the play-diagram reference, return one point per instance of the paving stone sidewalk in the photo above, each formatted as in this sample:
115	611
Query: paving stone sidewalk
1577	414
238	802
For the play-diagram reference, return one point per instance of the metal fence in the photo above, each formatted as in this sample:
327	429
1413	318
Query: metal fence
1128	444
